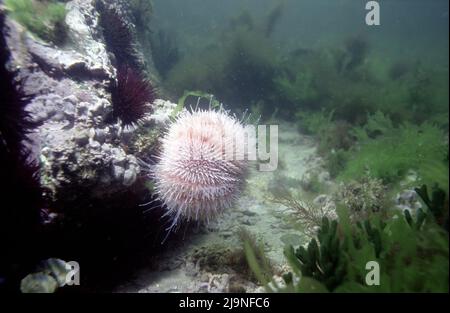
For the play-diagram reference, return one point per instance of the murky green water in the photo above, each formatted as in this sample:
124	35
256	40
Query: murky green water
113	145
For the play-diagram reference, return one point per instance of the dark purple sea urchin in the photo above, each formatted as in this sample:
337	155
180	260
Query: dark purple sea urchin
131	96
131	93
15	121
20	188
197	177
119	35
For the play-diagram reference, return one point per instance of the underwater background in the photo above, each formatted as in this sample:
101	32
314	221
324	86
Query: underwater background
93	94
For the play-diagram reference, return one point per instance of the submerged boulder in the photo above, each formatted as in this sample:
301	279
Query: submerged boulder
87	159
76	141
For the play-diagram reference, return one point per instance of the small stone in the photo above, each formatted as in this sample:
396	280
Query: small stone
408	200
406	196
38	283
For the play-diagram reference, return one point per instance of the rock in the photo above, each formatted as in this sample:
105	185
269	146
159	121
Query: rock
406	197
76	141
49	276
58	63
38	283
83	23
408	200
56	268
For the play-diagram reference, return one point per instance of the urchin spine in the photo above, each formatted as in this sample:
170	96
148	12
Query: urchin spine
197	177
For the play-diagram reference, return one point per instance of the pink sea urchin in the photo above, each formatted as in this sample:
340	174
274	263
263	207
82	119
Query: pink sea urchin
199	173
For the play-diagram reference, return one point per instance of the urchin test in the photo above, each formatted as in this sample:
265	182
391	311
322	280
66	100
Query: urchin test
204	160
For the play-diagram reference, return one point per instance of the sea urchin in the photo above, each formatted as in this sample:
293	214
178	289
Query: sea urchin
198	175
131	96
120	37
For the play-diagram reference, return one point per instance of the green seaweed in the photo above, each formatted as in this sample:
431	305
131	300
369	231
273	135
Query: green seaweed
213	103
46	19
325	263
377	124
273	18
398	150
314	122
437	204
412	254
336	161
257	260
350	83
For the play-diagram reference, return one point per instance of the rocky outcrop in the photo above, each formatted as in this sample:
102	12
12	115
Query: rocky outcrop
76	141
